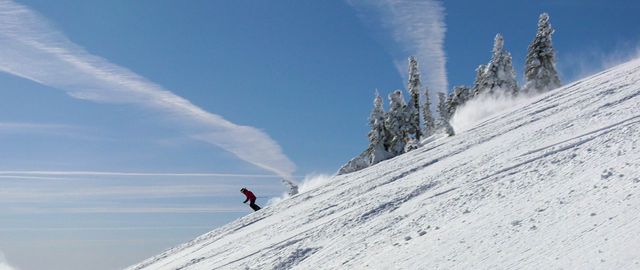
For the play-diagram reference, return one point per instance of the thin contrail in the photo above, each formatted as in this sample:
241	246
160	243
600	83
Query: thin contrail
125	210
123	228
25	177
111	173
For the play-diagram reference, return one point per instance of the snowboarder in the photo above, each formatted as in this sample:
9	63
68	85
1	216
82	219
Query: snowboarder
250	198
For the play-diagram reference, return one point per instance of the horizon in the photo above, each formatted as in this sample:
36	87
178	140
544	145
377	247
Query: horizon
129	127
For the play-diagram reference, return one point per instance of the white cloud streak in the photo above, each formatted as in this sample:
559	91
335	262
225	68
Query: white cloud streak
22	177
417	28
123	228
129	210
32	49
9	174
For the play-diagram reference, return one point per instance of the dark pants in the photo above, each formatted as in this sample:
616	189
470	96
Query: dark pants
253	205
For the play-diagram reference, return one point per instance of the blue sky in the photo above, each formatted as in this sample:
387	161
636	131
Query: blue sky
301	74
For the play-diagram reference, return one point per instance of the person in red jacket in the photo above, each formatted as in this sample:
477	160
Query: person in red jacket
250	198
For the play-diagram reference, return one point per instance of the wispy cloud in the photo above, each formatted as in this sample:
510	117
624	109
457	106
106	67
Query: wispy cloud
417	28
23	177
123	228
113	173
33	49
129	210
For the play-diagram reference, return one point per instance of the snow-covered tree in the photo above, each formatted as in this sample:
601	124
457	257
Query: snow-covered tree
540	73
413	108
378	133
396	123
355	164
429	123
459	96
443	109
499	73
475	90
443	112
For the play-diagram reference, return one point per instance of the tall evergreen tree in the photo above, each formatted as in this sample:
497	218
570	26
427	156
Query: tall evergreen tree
396	123
458	97
377	136
429	123
443	111
413	107
499	73
540	73
475	90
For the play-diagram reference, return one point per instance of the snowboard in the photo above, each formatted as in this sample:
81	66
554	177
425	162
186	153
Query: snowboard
255	207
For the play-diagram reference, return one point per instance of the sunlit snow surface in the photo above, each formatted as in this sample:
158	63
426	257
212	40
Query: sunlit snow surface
550	184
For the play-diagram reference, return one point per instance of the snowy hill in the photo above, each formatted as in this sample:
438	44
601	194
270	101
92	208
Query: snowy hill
551	184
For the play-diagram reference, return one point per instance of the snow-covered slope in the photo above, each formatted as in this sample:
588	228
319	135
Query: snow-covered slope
552	184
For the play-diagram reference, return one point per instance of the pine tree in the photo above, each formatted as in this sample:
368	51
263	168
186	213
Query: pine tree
429	123
540	71
396	123
458	97
377	136
499	73
443	111
475	90
413	107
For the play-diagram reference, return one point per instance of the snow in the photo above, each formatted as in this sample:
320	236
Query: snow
553	183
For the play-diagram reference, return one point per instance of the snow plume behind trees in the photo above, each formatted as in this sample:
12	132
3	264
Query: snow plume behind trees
55	61
574	65
417	28
482	107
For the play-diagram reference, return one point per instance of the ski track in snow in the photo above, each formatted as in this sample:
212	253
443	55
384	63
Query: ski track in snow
552	184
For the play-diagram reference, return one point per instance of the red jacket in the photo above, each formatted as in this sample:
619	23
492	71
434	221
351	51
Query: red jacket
250	196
